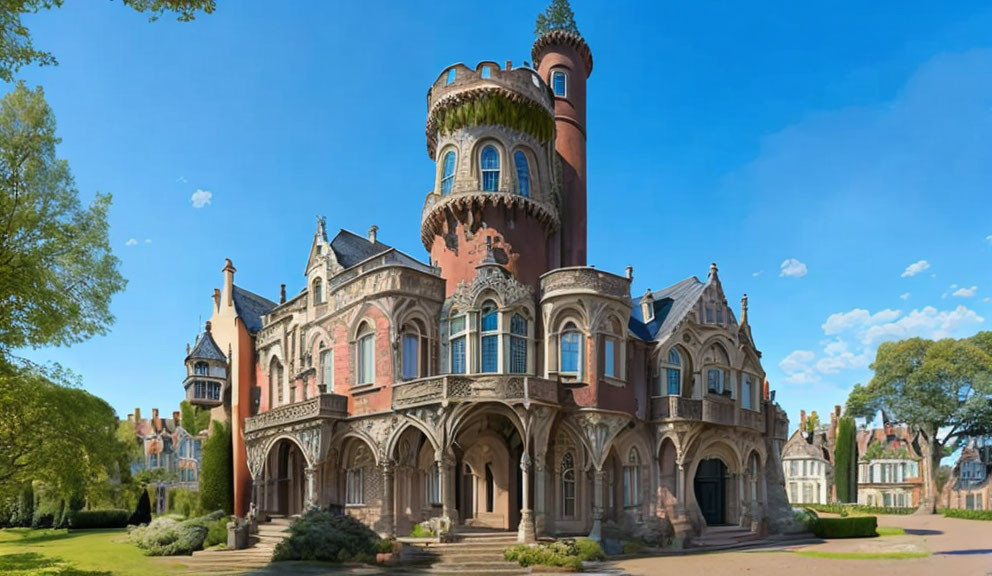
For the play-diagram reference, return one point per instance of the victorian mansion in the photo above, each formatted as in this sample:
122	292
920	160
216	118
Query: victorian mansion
505	383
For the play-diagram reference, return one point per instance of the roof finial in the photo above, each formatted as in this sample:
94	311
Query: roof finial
207	326
713	270
744	309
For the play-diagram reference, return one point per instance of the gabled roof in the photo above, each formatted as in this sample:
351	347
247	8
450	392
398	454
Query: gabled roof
350	248
206	349
671	306
250	308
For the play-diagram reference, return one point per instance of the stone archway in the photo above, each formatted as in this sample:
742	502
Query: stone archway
284	479
710	486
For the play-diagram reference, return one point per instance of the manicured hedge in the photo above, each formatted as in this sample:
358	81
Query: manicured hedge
858	509
89	519
853	527
326	537
967	514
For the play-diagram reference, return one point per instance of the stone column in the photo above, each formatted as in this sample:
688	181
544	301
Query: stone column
525	532
597	505
540	523
388	491
446	466
680	490
311	501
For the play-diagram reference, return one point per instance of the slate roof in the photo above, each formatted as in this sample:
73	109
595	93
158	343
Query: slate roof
350	248
250	308
670	306
206	349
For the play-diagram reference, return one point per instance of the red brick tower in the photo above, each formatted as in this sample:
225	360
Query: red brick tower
564	61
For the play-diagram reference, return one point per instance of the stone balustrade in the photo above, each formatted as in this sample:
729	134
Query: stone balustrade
457	387
321	406
582	279
711	409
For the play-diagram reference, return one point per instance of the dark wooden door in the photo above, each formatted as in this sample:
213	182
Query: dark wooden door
711	490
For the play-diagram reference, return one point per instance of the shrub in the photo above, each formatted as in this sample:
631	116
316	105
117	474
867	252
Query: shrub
216	464
184	502
322	536
853	527
143	513
421	531
858	509
589	550
967	514
561	553
216	532
168	537
90	519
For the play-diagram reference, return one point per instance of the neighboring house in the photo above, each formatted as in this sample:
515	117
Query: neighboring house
505	384
889	467
167	448
969	486
807	462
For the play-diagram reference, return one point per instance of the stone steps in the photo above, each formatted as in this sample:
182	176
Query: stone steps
474	553
721	536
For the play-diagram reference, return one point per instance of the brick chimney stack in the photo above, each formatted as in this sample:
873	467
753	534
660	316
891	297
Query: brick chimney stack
175	417
137	415
373	233
802	419
229	271
282	293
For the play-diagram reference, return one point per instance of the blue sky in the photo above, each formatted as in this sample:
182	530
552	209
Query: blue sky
836	164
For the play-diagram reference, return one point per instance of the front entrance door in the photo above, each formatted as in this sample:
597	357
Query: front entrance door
711	490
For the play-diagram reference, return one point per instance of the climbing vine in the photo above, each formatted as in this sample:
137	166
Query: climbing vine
496	109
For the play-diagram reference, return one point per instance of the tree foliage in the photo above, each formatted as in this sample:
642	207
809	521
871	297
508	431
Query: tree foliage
812	423
57	272
941	389
845	464
217	470
557	16
16	46
194	419
62	437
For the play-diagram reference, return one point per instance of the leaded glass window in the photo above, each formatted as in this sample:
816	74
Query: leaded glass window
490	169
523	173
447	173
518	344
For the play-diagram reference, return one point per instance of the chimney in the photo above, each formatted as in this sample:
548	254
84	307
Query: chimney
629	273
229	271
156	423
216	299
743	310
207	326
130	418
372	233
282	293
137	415
509	65
802	419
175	417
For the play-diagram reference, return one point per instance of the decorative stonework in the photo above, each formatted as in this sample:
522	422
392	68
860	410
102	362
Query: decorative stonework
437	207
600	429
454	388
324	405
584	280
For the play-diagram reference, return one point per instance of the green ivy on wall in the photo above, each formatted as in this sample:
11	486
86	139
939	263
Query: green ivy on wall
496	109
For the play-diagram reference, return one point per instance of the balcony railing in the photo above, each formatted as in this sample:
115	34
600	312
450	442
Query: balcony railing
711	409
753	420
456	387
676	408
322	406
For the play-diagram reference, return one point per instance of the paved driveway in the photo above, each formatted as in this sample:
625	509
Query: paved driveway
957	548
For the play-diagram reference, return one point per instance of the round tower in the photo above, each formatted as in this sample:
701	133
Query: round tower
491	134
564	61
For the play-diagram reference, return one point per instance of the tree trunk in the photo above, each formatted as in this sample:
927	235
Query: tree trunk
932	455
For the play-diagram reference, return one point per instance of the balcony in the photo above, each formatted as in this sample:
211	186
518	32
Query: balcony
322	406
460	388
712	409
204	391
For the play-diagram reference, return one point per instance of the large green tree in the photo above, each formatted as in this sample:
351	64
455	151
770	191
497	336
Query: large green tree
942	389
194	419
57	271
17	49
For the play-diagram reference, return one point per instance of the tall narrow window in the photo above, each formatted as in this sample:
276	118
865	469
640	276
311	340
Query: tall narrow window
447	173
432	482
355	489
632	480
609	358
275	383
746	393
366	355
523	173
571	349
490	169
568	486
559	80
327	369
672	371
451	77
411	356
489	337
518	344
456	331
318	291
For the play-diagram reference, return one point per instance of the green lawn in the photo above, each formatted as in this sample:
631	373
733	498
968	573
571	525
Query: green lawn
890	531
25	552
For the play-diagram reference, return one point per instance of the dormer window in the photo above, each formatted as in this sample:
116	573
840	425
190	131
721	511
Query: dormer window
559	82
647	311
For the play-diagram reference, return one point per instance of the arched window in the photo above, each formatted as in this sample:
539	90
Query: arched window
456	340
632	479
366	354
327	368
518	344
718	371
568	486
559	82
318	291
411	352
490	169
671	374
523	173
201	369
275	383
571	350
489	337
447	173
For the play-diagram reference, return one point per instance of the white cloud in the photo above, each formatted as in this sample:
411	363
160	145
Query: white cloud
797	367
926	323
131	242
182	179
201	198
915	268
989	238
966	292
857	318
904	295
987	299
148	240
756	274
793	268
